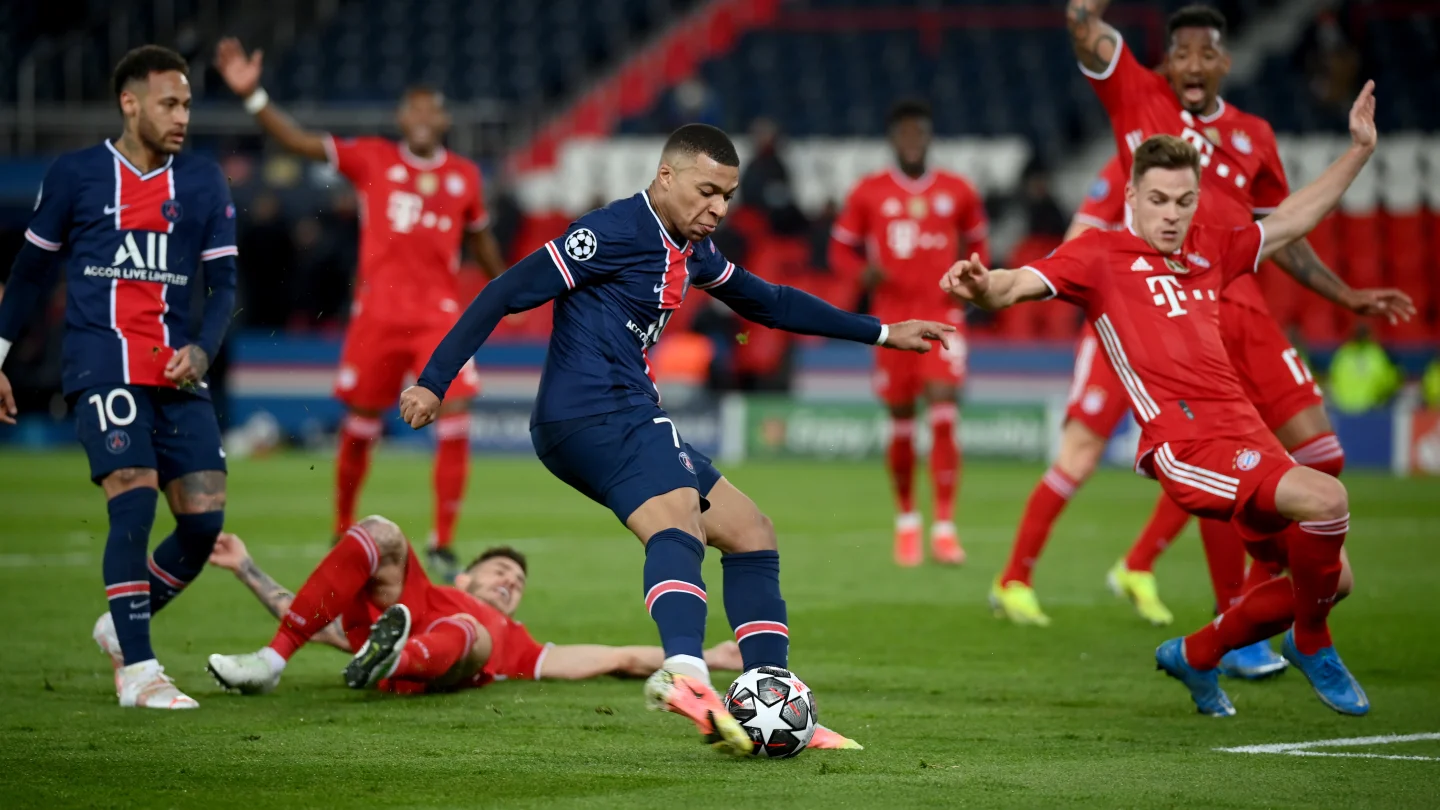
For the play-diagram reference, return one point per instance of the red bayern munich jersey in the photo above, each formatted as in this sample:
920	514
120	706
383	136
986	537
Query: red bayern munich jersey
514	653
1241	173
913	229
1158	318
413	216
1104	204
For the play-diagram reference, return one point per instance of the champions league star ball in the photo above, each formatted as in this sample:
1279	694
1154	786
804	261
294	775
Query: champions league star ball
776	708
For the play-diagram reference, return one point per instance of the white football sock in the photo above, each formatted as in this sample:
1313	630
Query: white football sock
688	665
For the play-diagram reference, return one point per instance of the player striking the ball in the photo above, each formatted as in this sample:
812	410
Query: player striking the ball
419	202
617	275
1152	293
141	220
911	222
1244	178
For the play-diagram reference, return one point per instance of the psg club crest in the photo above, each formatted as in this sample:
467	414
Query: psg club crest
1245	460
117	441
581	245
171	210
685	459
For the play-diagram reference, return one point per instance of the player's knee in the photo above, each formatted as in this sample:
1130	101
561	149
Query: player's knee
757	535
128	478
1331	500
1080	452
388	537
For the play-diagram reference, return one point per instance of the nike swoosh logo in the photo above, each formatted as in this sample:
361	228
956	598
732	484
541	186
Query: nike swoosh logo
111	209
659	287
136	605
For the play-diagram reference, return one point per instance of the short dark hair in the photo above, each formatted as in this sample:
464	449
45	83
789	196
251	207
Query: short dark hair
906	109
501	551
703	139
423	90
138	64
1195	16
1164	152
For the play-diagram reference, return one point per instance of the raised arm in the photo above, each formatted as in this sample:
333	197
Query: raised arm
971	281
1301	263
573	662
486	249
242	74
1093	39
230	553
1303	210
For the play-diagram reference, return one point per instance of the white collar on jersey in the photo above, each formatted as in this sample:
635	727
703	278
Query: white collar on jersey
663	232
1219	111
417	162
131	166
914	185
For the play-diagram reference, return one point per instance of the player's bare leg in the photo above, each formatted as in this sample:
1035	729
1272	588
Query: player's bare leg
360	429
945	468
1011	595
452	467
900	461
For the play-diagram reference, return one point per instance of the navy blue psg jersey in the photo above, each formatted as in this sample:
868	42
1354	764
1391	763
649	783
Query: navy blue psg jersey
137	243
624	277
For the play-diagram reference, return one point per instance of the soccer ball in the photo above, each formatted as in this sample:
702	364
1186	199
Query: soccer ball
776	708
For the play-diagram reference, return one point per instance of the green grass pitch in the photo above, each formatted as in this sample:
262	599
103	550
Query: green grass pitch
955	708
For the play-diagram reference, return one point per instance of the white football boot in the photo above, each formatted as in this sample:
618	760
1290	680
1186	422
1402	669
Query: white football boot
104	635
246	673
145	685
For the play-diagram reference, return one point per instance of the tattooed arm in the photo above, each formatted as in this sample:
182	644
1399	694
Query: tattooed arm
1300	262
230	553
1094	40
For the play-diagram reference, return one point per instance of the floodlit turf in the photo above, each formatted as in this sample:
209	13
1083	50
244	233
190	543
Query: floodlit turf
955	708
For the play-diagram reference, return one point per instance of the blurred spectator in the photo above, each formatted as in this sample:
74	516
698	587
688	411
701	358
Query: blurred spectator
1362	376
324	264
1430	384
682	366
692	102
267	258
1330	62
1043	216
765	183
820	229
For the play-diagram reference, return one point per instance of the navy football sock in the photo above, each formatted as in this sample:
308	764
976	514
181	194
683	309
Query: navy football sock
127	583
755	608
180	558
674	592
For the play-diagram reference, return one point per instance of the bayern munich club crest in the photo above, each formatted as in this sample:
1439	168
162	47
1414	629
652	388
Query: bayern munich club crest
685	459
1245	460
171	210
117	441
581	245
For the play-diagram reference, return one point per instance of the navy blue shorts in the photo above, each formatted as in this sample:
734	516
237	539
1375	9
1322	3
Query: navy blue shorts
162	429
623	459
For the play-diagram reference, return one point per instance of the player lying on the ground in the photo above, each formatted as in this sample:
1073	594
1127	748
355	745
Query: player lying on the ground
1151	292
147	230
616	276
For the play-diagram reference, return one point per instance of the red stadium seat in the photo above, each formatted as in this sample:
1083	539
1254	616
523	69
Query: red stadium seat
1363	248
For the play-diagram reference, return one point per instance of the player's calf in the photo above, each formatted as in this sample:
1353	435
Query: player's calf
127	580
180	558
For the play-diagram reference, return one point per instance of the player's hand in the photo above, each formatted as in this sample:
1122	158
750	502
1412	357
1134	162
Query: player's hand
418	406
229	552
725	655
239	71
967	279
1362	118
1393	304
915	336
7	401
188	366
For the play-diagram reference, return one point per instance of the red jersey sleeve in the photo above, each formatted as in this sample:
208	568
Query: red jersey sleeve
1240	250
852	226
972	222
353	157
1123	82
1069	271
1270	188
522	656
477	217
1104	204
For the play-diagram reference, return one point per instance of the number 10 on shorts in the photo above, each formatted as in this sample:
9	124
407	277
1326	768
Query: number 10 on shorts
106	411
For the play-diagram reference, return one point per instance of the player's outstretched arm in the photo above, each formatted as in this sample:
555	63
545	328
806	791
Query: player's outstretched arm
971	281
1093	39
1299	213
230	553
1300	261
486	250
573	662
242	73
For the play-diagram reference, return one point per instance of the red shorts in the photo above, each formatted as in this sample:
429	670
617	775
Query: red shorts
379	355
900	377
1097	398
1274	377
1224	479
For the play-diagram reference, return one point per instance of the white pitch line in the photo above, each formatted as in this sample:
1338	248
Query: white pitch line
1300	748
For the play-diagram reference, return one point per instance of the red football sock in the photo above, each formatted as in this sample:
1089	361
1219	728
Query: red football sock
944	459
1261	572
1046	503
1258	615
1225	557
452	464
901	458
357	437
1323	453
1314	552
337	581
432	653
1166	522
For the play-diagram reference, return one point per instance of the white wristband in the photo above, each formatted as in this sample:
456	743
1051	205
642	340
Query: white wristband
884	335
256	101
4	350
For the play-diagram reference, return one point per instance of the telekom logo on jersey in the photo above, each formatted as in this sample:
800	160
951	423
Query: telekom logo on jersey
903	236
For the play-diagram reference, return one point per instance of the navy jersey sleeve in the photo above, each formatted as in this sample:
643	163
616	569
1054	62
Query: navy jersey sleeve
775	305
594	247
218	253
50	226
31	274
